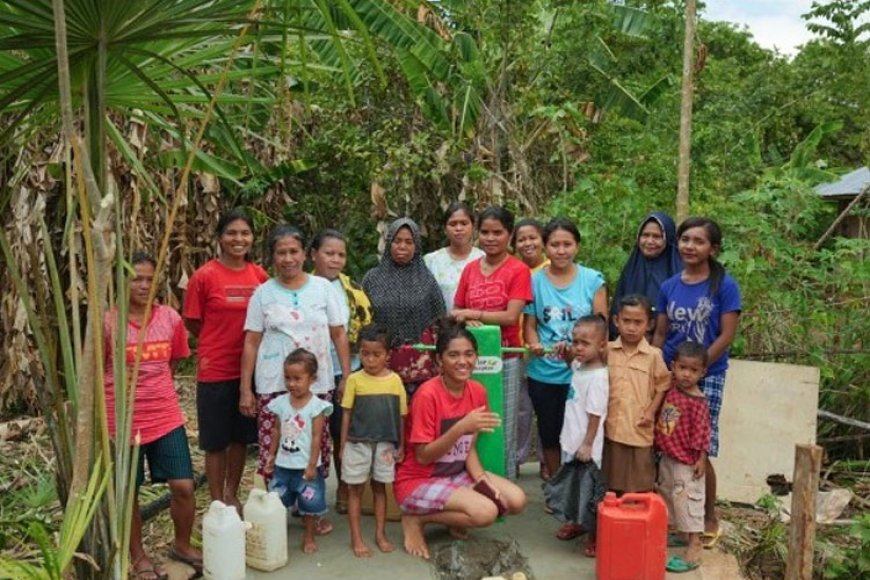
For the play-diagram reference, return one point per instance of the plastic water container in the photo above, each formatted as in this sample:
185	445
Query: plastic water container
223	543
266	540
632	541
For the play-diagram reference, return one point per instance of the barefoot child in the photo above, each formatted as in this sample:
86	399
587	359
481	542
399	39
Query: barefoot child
683	437
582	437
639	380
372	424
294	450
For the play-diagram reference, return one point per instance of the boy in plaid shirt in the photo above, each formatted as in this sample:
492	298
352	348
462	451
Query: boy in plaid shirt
682	435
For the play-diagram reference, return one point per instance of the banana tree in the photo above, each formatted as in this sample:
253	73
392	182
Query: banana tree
80	68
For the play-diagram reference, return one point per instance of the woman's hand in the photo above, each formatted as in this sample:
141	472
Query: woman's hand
247	403
462	314
536	349
479	420
564	350
339	391
269	467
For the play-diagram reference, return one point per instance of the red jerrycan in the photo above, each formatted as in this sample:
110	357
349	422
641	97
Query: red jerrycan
632	537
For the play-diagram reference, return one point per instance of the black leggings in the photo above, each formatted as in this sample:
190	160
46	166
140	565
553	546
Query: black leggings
548	401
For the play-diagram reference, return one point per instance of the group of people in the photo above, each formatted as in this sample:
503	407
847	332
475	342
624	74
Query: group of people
321	371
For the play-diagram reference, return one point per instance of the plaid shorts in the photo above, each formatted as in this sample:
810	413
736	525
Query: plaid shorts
431	495
512	380
714	387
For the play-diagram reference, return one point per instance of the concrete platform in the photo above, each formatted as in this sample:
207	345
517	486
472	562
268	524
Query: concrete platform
549	558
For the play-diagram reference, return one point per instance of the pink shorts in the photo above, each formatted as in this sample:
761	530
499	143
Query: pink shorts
432	494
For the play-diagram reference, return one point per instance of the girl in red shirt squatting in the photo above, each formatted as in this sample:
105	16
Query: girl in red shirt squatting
441	479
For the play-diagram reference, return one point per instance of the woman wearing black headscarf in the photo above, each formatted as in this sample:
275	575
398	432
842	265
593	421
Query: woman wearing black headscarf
406	299
653	260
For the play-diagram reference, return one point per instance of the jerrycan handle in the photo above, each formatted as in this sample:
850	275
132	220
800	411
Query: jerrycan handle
641	498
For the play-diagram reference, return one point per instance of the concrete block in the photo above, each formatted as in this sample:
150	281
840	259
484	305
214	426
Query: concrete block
767	409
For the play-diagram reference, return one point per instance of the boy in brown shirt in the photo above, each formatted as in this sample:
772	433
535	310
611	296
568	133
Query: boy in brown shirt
639	380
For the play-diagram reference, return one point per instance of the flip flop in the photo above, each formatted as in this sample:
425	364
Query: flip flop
710	539
675	540
149	574
570	531
323	527
678	565
195	563
589	550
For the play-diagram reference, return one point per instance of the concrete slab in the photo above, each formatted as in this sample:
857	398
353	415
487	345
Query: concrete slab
533	530
767	409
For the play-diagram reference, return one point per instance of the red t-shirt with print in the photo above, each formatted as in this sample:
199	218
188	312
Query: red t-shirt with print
217	296
510	281
156	411
432	411
683	426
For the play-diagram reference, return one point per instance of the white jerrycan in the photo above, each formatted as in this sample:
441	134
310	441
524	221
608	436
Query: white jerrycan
266	541
223	543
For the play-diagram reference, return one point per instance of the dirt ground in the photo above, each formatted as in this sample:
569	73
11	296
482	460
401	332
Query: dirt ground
752	536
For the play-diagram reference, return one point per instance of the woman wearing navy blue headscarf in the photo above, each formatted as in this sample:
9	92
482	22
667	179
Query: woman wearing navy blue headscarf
653	260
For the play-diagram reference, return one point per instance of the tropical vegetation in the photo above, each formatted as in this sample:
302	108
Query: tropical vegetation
128	125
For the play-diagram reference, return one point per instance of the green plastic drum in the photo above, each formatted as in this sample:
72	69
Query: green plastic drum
490	446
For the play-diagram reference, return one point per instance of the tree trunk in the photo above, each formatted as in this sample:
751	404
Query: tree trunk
684	166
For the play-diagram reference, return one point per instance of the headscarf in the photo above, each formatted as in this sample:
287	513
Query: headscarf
405	298
645	276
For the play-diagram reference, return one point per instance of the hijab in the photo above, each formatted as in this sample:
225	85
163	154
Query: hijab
405	298
645	276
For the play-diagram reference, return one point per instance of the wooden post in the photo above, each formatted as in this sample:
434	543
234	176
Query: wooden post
688	89
802	535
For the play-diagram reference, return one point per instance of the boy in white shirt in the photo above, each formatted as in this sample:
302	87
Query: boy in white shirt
582	436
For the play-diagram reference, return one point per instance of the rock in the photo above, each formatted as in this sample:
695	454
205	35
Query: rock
481	558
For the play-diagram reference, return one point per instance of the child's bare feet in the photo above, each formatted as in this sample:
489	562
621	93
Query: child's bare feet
694	549
361	550
309	546
384	544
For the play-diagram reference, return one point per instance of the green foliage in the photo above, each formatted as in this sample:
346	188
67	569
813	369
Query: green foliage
852	561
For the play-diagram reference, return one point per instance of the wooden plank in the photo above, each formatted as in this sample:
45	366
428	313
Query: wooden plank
801	540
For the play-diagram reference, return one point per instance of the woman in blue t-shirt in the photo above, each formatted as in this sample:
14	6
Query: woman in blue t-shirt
701	304
563	292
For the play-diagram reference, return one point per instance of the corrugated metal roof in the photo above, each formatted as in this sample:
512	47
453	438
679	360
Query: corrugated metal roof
852	183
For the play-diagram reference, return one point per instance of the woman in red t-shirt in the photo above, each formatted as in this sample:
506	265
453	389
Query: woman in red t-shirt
440	480
215	306
157	422
493	290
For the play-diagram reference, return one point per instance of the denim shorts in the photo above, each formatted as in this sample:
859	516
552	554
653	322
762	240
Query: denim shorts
308	496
